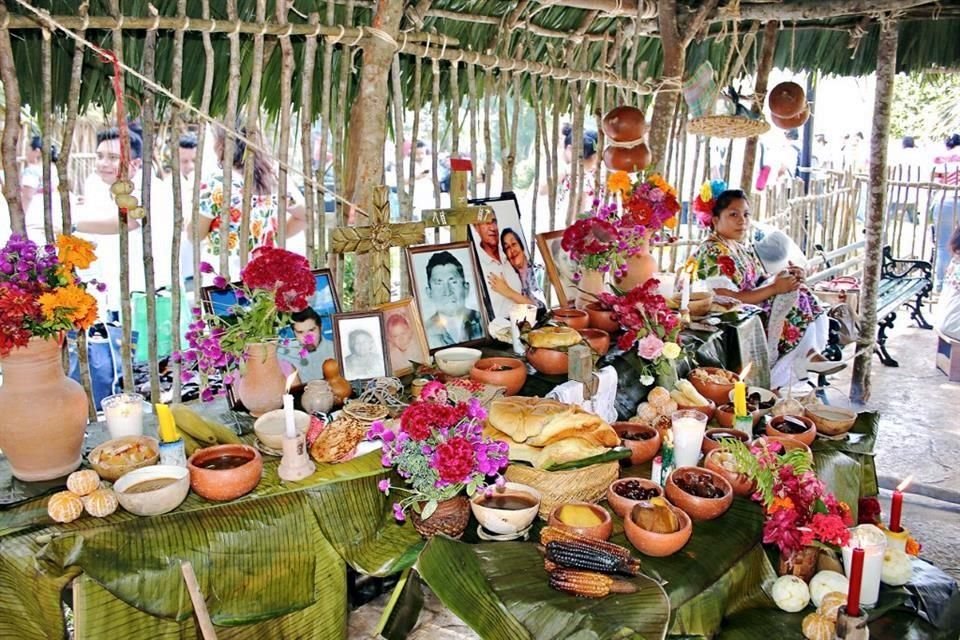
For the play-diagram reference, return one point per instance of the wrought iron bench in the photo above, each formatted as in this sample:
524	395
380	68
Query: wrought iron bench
902	283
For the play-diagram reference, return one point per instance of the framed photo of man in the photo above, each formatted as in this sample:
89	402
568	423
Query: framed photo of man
560	268
406	339
360	341
446	285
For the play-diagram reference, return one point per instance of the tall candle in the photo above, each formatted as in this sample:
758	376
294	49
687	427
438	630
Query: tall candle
856	578
291	427
167	426
685	291
740	393
619	204
896	506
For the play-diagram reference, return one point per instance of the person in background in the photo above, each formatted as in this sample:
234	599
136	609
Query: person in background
529	291
947	315
447	289
590	158
310	350
32	189
187	152
946	171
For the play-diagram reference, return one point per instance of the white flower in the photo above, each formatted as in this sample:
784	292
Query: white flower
646	380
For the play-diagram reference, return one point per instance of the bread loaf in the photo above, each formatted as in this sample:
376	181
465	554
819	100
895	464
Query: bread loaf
559	452
553	337
539	422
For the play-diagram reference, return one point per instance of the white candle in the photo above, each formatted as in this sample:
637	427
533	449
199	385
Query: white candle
291	427
124	413
685	290
619	204
688	428
517	314
874	544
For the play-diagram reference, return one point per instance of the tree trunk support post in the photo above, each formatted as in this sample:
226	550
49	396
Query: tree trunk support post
760	91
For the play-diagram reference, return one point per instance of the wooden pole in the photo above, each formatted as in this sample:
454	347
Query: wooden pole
306	142
46	55
229	142
760	90
253	116
286	100
176	75
208	56
326	131
207	630
886	71
11	130
146	232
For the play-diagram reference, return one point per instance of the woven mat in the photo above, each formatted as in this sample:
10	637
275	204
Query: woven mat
727	127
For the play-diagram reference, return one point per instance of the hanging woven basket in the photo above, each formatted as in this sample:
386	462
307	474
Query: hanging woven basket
727	126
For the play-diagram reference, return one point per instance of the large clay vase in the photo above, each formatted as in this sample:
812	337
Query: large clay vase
262	384
640	268
591	283
43	413
450	519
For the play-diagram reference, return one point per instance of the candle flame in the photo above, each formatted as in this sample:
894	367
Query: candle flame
290	379
906	483
746	371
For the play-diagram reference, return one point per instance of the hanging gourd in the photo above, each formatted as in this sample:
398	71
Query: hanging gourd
793	122
787	100
635	158
624	127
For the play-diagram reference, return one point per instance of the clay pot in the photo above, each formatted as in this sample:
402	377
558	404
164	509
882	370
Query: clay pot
262	384
548	361
624	124
789	444
591	283
640	268
450	518
573	318
317	397
807	437
719	393
631	159
621	505
229	483
725	416
802	563
696	507
601	531
505	372
786	100
601	318
706	409
658	545
598	339
793	122
43	413
709	444
742	485
640	450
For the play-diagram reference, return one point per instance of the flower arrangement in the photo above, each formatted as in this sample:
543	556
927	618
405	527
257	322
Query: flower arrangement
706	199
649	203
438	452
274	284
41	294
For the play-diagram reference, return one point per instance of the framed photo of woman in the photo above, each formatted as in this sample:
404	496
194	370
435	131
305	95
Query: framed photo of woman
360	340
406	339
560	268
446	284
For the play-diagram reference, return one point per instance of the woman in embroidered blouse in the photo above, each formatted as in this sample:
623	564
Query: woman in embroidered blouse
947	319
732	269
264	206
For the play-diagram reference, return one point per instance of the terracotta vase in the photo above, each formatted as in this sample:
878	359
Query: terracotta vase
640	268
43	413
802	563
591	283
450	518
262	384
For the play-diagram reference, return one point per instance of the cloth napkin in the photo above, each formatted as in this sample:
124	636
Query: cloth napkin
602	403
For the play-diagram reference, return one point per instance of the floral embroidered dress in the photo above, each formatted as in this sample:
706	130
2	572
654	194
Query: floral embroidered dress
727	264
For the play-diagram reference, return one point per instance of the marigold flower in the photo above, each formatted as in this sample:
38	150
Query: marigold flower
74	252
781	503
619	182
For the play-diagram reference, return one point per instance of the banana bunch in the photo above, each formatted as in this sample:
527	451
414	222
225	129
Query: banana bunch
198	431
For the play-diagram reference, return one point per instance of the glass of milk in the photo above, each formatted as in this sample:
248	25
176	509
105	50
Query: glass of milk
688	428
874	543
124	413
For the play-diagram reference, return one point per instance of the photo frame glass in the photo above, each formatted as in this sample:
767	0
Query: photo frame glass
360	342
406	340
560	268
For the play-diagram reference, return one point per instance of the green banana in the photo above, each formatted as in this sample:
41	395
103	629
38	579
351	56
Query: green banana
189	444
192	424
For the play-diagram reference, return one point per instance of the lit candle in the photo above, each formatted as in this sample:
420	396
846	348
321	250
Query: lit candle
685	291
740	393
620	204
291	428
856	577
167	426
896	506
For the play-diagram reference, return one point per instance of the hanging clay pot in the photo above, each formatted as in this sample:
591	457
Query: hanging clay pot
624	124
786	100
43	413
640	268
631	159
262	384
792	122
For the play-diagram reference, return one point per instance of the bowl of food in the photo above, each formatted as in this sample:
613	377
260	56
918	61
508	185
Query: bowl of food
725	416
598	339
643	440
622	494
505	372
713	383
116	457
582	518
573	318
506	511
657	528
783	444
702	493
270	427
457	361
831	421
759	400
225	471
798	428
713	437
547	349
700	302
725	464
150	491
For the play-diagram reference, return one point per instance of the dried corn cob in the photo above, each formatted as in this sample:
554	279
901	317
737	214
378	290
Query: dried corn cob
577	555
587	584
556	534
550	566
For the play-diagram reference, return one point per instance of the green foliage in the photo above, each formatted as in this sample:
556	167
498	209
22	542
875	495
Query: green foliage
762	468
925	105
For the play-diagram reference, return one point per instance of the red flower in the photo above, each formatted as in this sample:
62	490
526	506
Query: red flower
420	418
16	307
455	460
830	528
868	511
727	266
283	272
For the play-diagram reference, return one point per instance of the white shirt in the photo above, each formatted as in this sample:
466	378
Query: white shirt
501	304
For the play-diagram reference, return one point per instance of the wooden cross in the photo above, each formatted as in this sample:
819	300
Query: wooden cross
461	213
376	240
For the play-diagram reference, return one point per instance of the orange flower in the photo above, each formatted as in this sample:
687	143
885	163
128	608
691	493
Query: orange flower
232	241
662	184
913	547
74	252
71	302
216	196
670	223
619	182
781	504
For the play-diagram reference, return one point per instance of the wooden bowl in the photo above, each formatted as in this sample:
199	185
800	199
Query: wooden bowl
640	450
601	318
709	444
548	361
228	483
806	437
696	507
658	545
505	372
598	339
156	501
716	392
742	485
621	505
573	318
601	531
111	471
700	302
831	421
706	409
725	416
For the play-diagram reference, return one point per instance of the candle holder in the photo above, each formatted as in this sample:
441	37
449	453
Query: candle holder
897	539
852	627
295	464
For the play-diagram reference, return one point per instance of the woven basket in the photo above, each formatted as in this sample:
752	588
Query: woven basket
727	127
588	484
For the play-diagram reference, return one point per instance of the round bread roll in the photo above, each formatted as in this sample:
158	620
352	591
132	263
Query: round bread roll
553	337
658	397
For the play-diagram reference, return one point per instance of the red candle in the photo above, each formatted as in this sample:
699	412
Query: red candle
856	577
896	508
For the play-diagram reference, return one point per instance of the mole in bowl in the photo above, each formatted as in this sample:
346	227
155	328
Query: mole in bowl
637	435
700	485
791	425
508	502
150	485
224	462
633	490
755	402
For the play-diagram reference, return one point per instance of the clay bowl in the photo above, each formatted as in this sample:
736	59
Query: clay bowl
601	531
640	450
709	444
573	318
831	421
505	372
110	471
548	361
598	339
658	545
766	396
156	501
506	521
725	416
742	485
228	483
706	409
718	393
621	505
601	318
806	437
457	361
700	303
696	507
789	444
271	426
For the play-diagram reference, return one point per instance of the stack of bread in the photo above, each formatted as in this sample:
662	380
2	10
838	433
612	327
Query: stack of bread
547	432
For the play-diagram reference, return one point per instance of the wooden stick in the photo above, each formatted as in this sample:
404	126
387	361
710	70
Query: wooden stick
760	90
11	129
338	122
176	75
403	196
229	143
46	62
472	108
146	231
306	118
503	132
286	92
535	91
63	162
435	129
326	130
252	124
487	137
454	91
201	140
515	125
199	604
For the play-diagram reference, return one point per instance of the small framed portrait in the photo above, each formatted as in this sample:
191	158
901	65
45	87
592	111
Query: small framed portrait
505	261
360	341
220	302
324	302
446	284
406	339
560	268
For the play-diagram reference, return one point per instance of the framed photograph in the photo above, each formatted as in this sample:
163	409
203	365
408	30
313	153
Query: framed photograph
324	302
406	339
220	302
560	268
360	341
446	285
